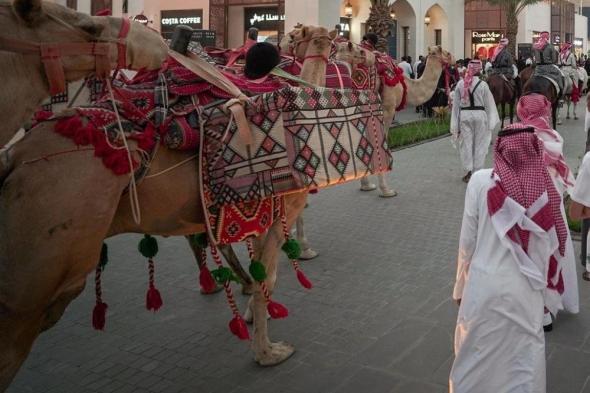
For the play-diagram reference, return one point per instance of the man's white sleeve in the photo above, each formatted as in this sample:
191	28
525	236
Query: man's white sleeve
581	193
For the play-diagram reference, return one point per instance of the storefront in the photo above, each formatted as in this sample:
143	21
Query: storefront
169	19
484	42
578	46
266	19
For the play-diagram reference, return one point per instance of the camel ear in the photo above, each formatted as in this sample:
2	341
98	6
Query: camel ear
28	10
304	31
333	34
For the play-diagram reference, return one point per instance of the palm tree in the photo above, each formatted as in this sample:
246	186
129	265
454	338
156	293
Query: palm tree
380	22
512	8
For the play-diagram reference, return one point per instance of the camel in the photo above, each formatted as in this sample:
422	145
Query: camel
569	101
418	91
33	22
71	202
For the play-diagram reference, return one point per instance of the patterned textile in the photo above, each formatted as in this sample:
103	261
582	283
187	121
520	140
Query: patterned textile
303	139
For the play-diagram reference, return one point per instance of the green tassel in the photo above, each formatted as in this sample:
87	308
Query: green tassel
257	271
199	240
224	274
292	249
104	256
148	246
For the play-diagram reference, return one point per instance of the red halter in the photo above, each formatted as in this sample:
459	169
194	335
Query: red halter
52	52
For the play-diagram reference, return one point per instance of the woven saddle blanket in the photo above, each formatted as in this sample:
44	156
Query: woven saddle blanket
302	139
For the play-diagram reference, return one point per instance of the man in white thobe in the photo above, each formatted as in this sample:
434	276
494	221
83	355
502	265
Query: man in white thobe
512	231
580	207
474	118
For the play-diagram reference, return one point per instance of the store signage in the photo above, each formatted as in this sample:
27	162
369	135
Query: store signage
141	18
263	18
172	18
344	27
556	39
486	37
536	36
579	42
204	37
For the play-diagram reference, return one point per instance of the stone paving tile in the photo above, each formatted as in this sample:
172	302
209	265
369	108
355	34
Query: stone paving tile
379	317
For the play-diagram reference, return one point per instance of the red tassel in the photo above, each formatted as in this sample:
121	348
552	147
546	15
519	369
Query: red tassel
83	135
239	328
68	126
206	280
313	191
277	310
153	299
303	280
43	115
99	315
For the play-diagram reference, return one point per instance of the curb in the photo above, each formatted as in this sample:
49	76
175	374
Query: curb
421	142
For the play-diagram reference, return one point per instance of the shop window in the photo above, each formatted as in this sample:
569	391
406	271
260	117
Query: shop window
437	37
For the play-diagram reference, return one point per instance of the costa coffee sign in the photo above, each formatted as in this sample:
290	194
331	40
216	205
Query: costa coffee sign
486	37
169	19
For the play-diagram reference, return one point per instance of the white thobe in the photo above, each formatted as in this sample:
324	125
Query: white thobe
499	338
473	128
581	193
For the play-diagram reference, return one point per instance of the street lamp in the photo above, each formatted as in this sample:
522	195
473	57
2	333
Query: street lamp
427	20
392	13
348	10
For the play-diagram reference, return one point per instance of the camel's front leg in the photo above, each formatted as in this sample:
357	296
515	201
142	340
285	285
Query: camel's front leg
386	191
266	352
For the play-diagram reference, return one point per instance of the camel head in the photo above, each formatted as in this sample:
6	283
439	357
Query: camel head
44	22
304	41
354	54
442	55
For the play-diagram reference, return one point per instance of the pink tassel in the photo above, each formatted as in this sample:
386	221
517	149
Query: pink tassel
153	299
303	280
239	328
277	310
206	280
99	315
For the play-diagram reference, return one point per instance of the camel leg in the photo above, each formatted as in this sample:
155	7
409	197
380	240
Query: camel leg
512	112
366	184
233	262
201	262
268	353
386	191
503	110
307	252
54	215
554	113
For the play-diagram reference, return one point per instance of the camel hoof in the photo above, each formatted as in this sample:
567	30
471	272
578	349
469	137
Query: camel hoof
308	254
247	289
559	122
575	117
214	291
275	353
388	193
586	276
368	187
567	117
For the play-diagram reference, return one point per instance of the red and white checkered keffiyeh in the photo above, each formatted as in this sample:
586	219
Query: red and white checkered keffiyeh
521	176
534	110
503	44
566	49
542	41
473	68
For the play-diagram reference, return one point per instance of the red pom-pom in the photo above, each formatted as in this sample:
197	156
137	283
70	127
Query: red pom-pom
68	126
83	135
147	139
99	315
277	310
101	147
313	191
206	280
239	328
303	280
153	299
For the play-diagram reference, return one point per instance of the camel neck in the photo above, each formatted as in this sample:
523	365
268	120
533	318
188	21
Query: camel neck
420	90
27	90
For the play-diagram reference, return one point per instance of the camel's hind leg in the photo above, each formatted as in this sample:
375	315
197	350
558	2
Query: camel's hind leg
307	252
54	215
268	353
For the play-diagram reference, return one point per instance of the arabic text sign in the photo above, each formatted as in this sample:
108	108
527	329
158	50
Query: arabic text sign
263	18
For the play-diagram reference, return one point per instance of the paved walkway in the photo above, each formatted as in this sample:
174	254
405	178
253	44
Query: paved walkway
379	320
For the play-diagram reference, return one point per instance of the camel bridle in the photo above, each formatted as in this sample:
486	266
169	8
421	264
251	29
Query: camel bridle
51	53
294	46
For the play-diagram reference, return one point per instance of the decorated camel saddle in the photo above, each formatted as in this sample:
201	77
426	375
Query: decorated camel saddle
298	138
